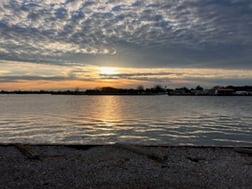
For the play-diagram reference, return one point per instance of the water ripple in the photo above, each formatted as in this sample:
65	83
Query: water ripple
110	119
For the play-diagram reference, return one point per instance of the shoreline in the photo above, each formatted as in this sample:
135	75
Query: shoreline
2	144
115	94
124	166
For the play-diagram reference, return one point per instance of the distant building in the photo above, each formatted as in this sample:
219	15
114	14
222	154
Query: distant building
181	91
199	92
224	91
210	92
242	93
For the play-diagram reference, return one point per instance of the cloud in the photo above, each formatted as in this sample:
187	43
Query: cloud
183	77
89	75
128	75
29	78
12	71
145	33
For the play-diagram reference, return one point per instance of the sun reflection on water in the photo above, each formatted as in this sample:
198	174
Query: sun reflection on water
109	110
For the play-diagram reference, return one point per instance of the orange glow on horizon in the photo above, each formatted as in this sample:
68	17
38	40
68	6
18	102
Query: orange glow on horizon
67	84
30	76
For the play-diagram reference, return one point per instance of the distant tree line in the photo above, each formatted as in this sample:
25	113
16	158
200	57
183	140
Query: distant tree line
140	90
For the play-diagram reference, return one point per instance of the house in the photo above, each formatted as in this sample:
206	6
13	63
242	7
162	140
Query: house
224	91
241	93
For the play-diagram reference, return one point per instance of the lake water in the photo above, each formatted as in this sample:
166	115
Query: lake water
169	120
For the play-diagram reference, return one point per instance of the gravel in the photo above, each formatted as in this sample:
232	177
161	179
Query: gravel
111	166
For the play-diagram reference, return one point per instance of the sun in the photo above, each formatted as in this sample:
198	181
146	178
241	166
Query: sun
108	70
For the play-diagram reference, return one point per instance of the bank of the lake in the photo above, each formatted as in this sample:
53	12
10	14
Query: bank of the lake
114	166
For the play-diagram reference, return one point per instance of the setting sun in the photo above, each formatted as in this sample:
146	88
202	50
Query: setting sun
108	70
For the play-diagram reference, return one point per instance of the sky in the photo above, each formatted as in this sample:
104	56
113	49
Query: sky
67	44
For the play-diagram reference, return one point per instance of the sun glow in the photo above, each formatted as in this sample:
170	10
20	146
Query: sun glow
108	70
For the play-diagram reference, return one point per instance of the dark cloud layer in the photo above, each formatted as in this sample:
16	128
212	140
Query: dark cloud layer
160	33
30	78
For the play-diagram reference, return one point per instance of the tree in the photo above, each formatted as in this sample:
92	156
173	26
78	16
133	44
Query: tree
199	88
158	88
140	88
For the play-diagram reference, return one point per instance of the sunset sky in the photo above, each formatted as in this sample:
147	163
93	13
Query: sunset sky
65	44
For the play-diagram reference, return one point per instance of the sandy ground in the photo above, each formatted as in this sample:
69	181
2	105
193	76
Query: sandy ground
117	167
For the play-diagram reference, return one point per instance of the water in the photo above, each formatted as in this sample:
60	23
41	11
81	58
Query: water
170	120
